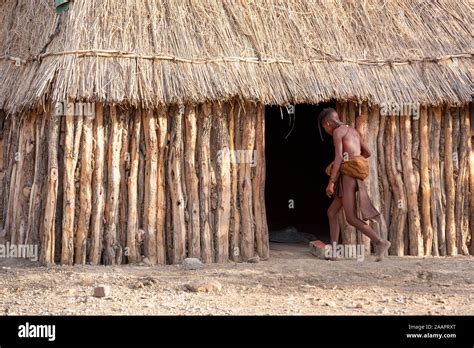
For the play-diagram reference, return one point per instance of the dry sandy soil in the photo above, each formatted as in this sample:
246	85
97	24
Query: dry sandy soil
292	282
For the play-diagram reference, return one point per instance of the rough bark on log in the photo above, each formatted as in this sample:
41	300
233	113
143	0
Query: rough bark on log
9	182
386	193
398	162
456	135
437	208
151	175
220	139
141	177
235	140
397	223
462	181
175	185
414	227
471	174
162	135
425	181
13	191
60	193
258	183
71	153
247	247
449	182
2	167
191	180
4	129
203	146
415	151
24	178
40	172
47	229
124	172
112	251
133	251
85	198
98	191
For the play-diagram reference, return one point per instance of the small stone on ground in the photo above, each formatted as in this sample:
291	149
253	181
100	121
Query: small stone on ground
102	291
192	264
204	286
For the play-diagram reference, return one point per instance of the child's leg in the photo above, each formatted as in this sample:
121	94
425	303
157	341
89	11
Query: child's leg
333	210
350	209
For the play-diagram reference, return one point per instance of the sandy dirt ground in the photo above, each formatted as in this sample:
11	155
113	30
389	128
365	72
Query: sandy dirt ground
292	282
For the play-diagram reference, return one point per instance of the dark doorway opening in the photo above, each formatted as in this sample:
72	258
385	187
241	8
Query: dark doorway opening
295	162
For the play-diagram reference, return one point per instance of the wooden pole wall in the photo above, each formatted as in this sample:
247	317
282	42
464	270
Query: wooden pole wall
189	181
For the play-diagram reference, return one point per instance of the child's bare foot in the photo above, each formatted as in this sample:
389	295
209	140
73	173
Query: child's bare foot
380	248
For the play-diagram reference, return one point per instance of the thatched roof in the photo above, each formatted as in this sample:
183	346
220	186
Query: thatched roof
277	51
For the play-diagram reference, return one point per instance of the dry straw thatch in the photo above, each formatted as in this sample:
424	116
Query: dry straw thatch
275	51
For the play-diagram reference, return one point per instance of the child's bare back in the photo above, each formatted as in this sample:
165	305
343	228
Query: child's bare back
350	140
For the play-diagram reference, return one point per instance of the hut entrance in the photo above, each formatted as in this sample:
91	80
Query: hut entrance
295	180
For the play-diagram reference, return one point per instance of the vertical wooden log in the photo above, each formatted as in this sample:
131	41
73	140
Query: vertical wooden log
462	181
98	190
203	146
361	124
16	178
415	151
245	188
437	208
191	180
112	251
4	129
220	140
234	141
132	217
24	178
40	172
414	227
449	182
162	134
175	185
141	179
151	172
2	167
10	175
469	109
381	154
60	192
397	224
456	135
168	228
425	182
47	229
71	152
85	196
258	185
124	170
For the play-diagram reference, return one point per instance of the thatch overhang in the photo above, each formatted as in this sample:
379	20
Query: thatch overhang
276	51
